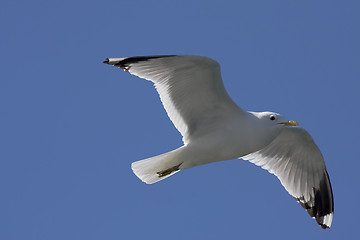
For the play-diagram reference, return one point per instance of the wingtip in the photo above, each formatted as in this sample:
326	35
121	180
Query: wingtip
325	221
323	226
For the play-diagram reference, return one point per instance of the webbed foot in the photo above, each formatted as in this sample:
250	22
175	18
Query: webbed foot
168	171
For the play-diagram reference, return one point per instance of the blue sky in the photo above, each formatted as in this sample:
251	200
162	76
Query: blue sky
71	126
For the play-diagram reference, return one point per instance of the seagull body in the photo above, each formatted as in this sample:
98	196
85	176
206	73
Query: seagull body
215	129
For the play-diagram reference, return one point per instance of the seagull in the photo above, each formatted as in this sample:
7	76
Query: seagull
214	128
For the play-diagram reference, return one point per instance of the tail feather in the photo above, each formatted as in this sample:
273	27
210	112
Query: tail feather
147	169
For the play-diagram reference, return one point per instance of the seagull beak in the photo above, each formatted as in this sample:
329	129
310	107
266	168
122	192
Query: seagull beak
290	123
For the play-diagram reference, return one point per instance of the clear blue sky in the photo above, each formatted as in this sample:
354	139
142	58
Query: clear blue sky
71	126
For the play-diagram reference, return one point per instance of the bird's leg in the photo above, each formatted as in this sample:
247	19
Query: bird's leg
168	171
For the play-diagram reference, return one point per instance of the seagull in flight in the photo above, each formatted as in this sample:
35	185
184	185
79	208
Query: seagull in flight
214	128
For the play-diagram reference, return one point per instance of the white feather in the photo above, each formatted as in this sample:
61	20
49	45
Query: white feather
214	129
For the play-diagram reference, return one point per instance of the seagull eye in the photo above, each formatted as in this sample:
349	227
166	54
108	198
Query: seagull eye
272	117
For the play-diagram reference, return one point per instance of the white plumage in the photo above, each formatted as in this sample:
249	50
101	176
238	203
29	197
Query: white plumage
214	129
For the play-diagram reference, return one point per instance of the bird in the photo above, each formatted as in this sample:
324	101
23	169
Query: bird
214	128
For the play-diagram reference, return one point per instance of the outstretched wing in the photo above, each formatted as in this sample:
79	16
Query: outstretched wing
190	88
298	163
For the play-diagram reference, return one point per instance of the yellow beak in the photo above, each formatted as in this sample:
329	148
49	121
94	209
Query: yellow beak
290	123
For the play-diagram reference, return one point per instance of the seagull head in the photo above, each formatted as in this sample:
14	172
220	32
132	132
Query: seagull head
274	119
270	124
266	126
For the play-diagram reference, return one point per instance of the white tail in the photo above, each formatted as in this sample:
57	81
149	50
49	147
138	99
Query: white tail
147	169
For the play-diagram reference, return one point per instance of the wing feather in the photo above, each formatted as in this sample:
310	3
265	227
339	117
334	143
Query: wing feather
298	163
190	88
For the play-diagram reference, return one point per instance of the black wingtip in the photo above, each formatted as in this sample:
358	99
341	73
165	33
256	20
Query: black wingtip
125	63
321	205
323	226
137	59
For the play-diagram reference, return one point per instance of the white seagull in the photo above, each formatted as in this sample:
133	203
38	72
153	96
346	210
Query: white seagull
214	129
